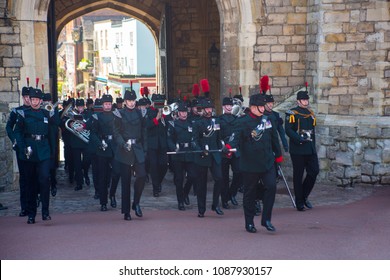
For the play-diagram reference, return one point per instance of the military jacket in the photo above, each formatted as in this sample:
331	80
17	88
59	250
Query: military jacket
130	127
228	129
300	128
279	126
180	134
33	129
102	128
258	143
206	133
12	121
157	130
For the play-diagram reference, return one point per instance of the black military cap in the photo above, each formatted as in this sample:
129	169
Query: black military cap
206	103
269	98
80	102
98	102
158	97
130	95
303	94
257	100
142	102
25	91
239	96
71	101
119	100
182	107
106	98
36	93
194	103
46	97
227	101
89	101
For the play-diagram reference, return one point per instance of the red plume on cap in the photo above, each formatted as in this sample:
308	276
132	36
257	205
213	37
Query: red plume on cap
36	82
141	91
107	89
78	94
146	91
230	92
240	90
264	84
185	98
204	83
43	88
100	92
131	84
306	85
195	90
28	81
89	96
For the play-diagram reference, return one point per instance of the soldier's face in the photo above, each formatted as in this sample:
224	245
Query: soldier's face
182	115
107	106
80	109
36	102
257	110
304	103
119	105
26	100
130	104
269	106
227	109
208	112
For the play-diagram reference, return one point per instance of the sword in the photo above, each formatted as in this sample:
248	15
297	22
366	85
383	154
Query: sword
288	189
191	152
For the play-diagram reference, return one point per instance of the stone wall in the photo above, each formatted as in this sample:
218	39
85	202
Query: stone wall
10	63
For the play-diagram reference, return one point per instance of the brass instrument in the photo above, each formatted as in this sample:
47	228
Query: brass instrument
75	123
50	106
238	108
29	152
168	109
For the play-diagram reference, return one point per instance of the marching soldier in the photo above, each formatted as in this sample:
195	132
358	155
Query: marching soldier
206	136
157	143
36	145
259	147
78	147
10	132
130	136
102	137
300	128
179	140
228	122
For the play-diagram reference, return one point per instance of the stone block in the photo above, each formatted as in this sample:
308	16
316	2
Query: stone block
367	168
12	62
5	86
337	56
366	179
298	40
385	180
10	39
373	155
267	40
278	56
350	81
369	132
337	170
272	30
344	158
321	152
366	27
292	57
352	172
339	16
277	19
277	49
296	18
345	46
276	68
5	51
378	14
327	140
382	169
360	37
262	57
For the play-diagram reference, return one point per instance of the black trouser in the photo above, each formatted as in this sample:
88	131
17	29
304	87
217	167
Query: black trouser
95	172
158	166
53	173
251	181
22	184
37	181
201	185
87	161
79	164
104	176
303	188
139	184
227	192
179	170
115	176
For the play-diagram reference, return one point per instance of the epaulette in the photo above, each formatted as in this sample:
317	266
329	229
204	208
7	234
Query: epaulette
117	113
13	110
290	112
95	116
291	118
21	113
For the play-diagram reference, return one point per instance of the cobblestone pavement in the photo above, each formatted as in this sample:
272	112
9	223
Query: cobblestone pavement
69	201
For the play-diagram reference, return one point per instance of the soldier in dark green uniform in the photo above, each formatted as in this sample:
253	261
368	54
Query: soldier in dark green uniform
36	146
102	137
300	128
157	142
179	140
10	132
206	136
257	139
228	122
131	137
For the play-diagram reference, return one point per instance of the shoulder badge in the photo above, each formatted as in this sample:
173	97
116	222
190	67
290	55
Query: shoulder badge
117	113
21	113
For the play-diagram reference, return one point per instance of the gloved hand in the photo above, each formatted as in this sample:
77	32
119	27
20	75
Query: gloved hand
204	153
226	150
304	140
279	159
177	149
